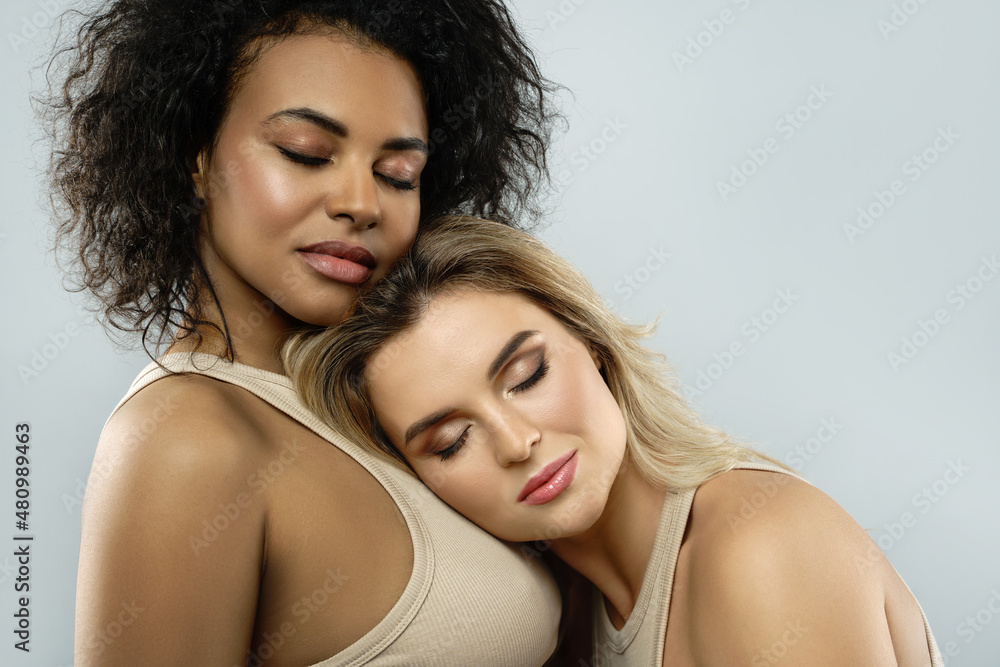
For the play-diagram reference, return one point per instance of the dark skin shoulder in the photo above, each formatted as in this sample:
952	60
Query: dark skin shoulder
220	518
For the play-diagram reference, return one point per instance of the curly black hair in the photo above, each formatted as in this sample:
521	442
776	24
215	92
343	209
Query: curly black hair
142	86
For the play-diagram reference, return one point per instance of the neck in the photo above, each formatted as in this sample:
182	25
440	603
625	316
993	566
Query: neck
614	552
260	349
257	327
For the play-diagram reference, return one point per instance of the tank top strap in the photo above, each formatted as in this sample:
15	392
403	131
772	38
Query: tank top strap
273	388
647	622
767	466
278	391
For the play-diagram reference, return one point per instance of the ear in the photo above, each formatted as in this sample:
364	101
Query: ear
199	175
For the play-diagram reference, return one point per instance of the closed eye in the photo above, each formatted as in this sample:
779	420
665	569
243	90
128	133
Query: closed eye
313	161
455	447
397	184
539	373
303	159
452	449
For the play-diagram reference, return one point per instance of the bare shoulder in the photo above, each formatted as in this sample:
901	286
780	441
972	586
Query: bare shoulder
748	506
776	567
177	407
778	528
167	518
180	431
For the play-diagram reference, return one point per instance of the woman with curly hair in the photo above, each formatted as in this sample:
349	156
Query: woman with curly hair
226	173
488	366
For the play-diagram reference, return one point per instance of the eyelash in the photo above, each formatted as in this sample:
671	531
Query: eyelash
539	373
310	161
452	449
303	159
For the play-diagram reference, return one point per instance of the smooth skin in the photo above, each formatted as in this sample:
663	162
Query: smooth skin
312	552
799	572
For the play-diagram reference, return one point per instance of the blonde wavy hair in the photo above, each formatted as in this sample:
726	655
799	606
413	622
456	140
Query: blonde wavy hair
331	368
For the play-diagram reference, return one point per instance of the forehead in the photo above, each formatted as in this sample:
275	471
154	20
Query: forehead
331	72
459	335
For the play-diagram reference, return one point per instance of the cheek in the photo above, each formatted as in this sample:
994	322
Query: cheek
580	403
468	486
401	226
268	194
251	188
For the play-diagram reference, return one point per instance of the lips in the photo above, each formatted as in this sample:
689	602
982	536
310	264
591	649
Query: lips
550	481
354	253
340	261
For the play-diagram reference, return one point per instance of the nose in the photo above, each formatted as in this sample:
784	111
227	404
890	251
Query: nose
353	195
515	437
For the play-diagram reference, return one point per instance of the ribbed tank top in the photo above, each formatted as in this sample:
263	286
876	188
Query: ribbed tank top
640	641
471	599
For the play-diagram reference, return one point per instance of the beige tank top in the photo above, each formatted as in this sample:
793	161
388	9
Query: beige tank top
471	599
640	641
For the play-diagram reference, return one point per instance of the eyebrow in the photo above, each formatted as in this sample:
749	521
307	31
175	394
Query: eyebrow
510	348
335	127
424	424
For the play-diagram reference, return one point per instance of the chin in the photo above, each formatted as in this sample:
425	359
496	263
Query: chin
325	314
569	520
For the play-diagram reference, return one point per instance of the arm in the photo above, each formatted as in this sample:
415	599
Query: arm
794	582
162	579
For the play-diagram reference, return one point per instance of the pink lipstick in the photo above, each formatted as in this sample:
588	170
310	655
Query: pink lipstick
550	482
340	261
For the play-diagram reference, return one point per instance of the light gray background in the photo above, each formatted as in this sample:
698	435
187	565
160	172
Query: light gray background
650	138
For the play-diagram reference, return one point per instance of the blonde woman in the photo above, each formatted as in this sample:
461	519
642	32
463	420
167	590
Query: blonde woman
489	367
